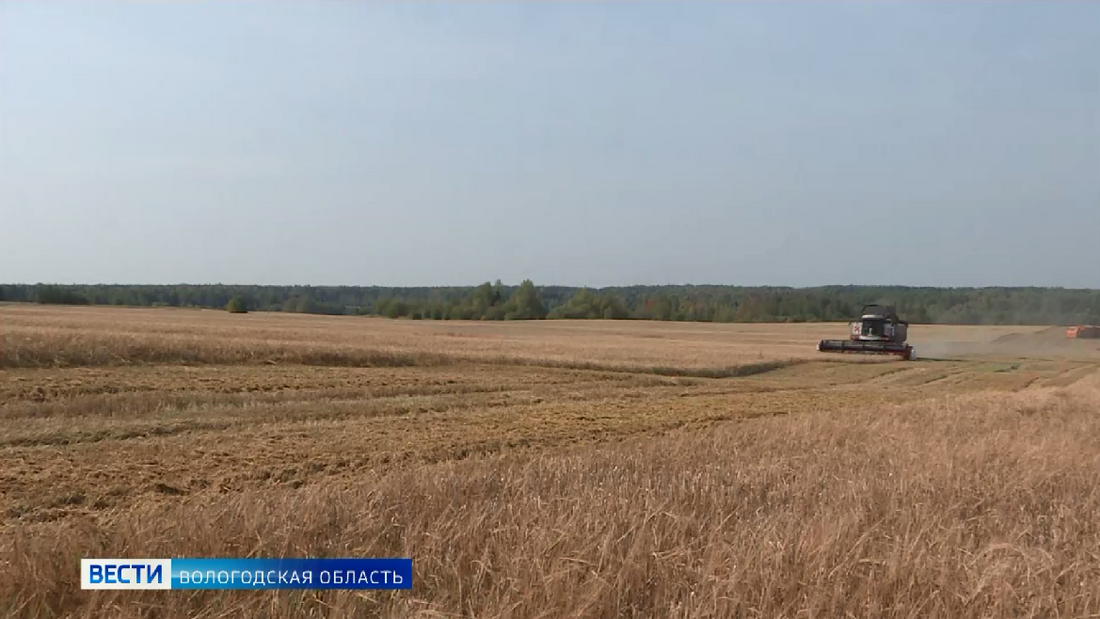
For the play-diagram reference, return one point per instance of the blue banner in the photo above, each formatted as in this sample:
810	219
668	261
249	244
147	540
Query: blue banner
389	573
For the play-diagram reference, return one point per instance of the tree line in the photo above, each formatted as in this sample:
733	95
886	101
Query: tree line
496	301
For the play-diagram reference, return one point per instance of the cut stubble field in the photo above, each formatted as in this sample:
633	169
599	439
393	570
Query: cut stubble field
551	468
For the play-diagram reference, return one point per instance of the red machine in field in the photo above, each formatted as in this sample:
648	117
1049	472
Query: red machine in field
1084	332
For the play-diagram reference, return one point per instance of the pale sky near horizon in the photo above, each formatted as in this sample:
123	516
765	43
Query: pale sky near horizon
370	143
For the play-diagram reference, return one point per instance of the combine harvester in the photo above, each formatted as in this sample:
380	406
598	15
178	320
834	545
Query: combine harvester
878	332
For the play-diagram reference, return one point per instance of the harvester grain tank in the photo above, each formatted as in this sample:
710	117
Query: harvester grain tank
878	331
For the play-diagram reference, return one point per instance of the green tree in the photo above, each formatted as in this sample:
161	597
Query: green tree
237	305
494	301
58	295
526	303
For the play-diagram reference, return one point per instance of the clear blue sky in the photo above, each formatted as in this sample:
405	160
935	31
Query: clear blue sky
590	144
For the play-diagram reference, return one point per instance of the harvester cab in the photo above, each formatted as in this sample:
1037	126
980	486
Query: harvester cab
878	331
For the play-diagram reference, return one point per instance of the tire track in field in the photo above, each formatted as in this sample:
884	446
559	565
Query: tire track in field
1070	375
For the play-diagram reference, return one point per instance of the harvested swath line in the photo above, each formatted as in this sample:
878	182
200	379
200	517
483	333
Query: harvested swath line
733	371
120	434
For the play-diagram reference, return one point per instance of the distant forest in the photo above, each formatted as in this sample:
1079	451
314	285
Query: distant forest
489	301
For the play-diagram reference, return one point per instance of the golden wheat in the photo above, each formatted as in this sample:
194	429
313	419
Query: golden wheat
544	470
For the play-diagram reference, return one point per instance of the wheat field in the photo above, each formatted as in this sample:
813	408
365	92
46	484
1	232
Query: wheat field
552	468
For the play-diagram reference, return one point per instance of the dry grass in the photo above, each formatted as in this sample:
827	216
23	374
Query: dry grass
578	481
